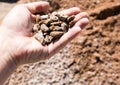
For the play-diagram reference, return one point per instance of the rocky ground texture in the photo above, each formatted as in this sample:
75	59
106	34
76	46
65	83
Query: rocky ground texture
92	58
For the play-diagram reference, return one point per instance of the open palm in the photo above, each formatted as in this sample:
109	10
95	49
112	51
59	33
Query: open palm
22	45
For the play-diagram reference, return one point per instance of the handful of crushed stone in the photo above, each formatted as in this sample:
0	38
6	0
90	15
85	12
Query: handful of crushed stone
51	27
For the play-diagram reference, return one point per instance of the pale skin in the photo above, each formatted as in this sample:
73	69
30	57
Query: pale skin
17	43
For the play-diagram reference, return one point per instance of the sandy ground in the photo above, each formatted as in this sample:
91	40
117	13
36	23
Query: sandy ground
92	58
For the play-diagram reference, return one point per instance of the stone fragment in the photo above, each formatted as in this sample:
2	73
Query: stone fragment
70	18
58	28
44	28
62	18
56	34
39	36
44	17
56	23
36	28
54	13
48	39
65	27
71	24
54	18
37	18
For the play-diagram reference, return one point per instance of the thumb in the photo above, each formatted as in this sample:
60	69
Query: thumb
40	6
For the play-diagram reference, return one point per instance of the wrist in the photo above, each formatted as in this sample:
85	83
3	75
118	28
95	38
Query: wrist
7	63
7	67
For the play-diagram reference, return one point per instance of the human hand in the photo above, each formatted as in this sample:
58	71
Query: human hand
19	42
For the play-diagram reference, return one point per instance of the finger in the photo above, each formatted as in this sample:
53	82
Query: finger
71	11
72	33
80	16
82	23
40	6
